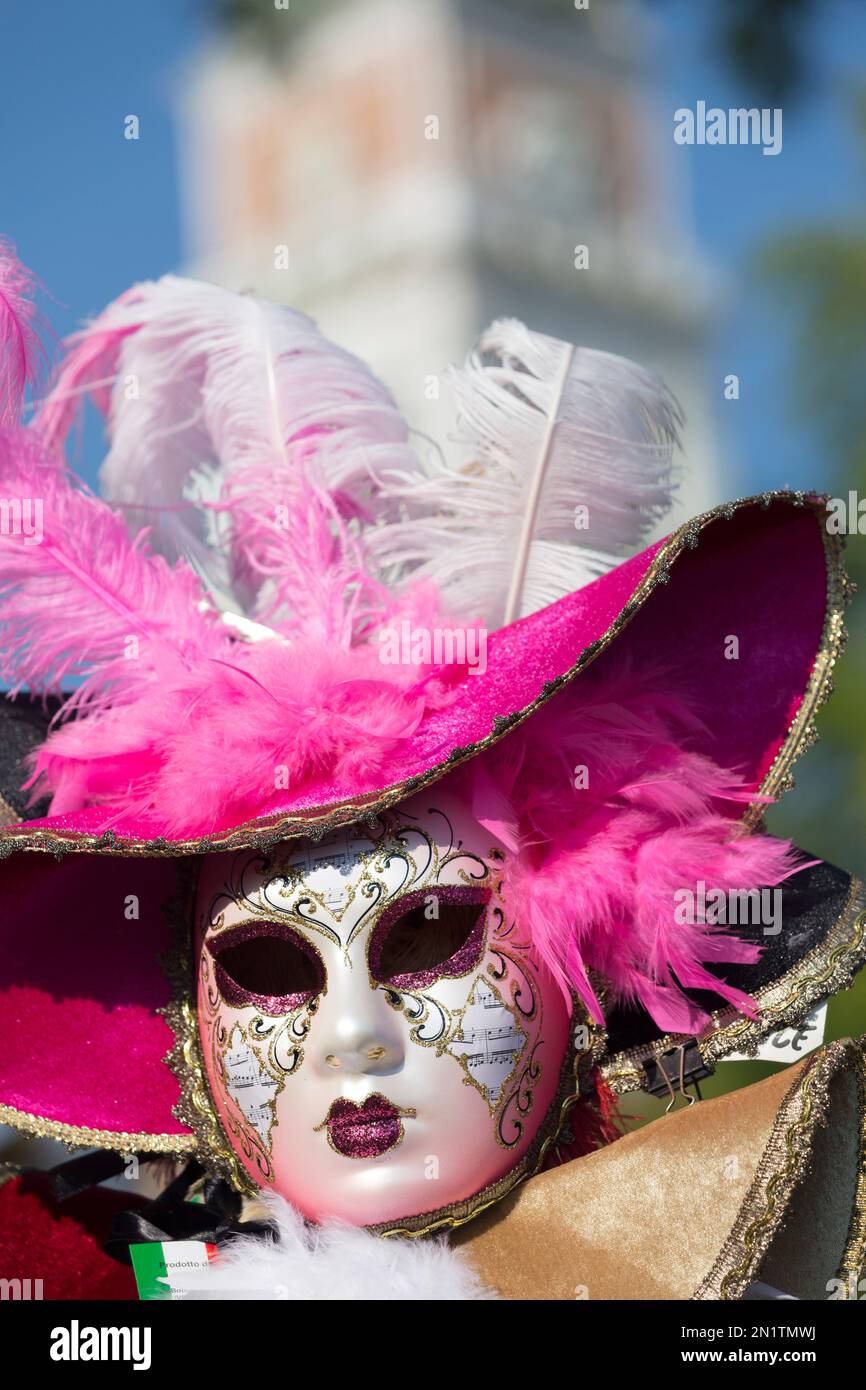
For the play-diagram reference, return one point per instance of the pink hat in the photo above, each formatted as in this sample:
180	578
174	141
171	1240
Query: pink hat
282	621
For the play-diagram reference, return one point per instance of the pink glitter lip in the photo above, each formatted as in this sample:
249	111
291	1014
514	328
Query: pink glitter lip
365	1129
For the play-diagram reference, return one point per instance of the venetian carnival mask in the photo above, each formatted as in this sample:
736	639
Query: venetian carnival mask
381	1042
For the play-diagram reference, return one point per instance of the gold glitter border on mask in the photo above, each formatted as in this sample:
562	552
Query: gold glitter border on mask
196	1107
262	833
461	1057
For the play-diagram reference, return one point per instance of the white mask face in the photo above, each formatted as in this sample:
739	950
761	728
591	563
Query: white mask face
380	1038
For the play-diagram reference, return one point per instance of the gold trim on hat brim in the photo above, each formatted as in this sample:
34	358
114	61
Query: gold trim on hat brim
319	820
852	1266
821	973
82	1137
784	1165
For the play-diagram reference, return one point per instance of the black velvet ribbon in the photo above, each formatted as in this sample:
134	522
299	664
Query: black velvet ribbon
76	1175
170	1216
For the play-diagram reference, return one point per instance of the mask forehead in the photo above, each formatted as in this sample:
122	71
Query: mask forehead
341	883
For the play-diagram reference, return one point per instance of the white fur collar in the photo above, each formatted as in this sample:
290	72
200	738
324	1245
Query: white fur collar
338	1262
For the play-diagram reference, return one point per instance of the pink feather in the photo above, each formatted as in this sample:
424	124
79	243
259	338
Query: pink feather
221	739
172	711
21	354
174	714
88	602
88	367
222	404
598	866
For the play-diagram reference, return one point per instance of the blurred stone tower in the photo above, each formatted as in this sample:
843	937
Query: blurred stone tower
407	172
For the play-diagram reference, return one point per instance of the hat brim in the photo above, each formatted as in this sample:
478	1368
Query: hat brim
100	1043
764	571
819	948
81	989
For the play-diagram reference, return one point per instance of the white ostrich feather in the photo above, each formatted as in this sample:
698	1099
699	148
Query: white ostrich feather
225	408
337	1262
545	428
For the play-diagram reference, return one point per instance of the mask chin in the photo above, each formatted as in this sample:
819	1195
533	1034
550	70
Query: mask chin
382	1045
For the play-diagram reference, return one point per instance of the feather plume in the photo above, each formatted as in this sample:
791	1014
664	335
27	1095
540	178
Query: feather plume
596	869
225	410
82	600
167	700
545	429
335	1261
249	442
21	354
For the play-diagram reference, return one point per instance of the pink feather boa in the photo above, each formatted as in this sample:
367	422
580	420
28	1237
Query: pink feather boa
172	713
595	868
215	745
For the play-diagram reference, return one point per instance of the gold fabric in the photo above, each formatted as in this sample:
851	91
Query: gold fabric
692	1205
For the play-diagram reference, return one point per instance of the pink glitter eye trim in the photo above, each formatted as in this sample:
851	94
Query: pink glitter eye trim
411	949
266	966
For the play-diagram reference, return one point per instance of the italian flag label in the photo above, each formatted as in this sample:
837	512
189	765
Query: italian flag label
171	1269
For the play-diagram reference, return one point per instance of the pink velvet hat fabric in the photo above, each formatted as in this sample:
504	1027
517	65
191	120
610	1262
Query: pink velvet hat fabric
756	570
82	982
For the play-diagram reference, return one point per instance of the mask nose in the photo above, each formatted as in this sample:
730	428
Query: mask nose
359	1034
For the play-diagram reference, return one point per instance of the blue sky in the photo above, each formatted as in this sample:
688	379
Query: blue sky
91	211
740	197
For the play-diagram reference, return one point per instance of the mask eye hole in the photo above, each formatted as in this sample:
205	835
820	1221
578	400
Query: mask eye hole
428	936
267	966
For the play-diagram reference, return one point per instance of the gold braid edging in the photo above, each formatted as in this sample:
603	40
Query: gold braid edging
830	966
779	1172
82	1137
853	1264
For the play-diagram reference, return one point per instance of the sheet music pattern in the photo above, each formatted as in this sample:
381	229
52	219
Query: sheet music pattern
250	1087
488	1042
329	864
